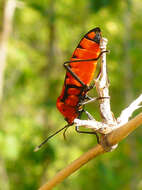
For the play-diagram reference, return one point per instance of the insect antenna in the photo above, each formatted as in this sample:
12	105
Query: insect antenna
44	142
64	133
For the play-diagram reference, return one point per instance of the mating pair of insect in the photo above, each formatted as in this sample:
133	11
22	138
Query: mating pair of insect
80	71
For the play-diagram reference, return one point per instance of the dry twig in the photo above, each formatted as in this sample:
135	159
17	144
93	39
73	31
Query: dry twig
112	130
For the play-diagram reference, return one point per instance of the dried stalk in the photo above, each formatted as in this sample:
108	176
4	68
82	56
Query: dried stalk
113	130
102	85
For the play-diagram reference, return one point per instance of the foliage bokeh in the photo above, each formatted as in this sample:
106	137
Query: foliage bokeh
44	35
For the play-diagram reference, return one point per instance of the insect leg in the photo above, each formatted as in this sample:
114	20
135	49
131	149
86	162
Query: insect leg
91	100
88	115
83	60
88	88
67	67
88	132
74	75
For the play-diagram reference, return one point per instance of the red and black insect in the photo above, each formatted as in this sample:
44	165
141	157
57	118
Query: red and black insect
80	72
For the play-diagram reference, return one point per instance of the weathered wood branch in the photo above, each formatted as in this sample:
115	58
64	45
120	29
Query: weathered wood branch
113	130
106	143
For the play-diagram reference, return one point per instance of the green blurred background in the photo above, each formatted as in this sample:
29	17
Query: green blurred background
36	37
